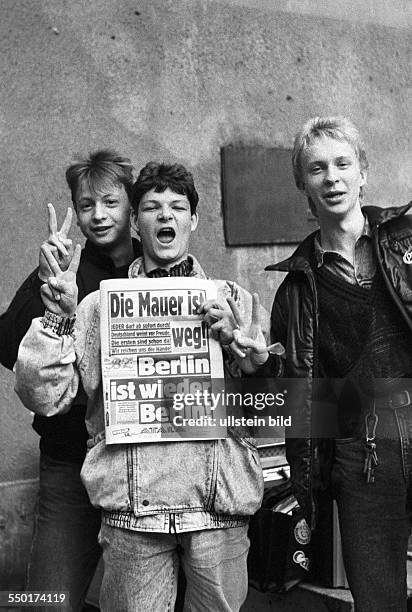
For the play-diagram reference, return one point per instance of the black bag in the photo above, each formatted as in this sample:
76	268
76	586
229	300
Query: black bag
280	544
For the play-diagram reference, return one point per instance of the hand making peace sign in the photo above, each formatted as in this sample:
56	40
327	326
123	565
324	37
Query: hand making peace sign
59	244
59	294
249	346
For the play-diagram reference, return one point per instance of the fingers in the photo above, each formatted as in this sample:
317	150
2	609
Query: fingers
49	294
56	235
52	220
217	318
213	315
74	264
212	310
219	325
62	245
54	287
49	253
276	349
244	341
220	321
65	306
257	345
223	331
65	228
237	350
235	310
207	306
255	309
53	250
46	250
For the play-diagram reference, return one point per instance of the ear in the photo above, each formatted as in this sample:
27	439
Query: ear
134	222
194	221
363	177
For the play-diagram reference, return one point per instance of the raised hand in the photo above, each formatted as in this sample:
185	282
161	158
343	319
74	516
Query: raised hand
220	321
60	246
249	345
59	294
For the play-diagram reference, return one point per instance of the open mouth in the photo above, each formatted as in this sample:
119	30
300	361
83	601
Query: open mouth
166	235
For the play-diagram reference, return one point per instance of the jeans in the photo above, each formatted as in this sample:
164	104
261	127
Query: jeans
375	518
141	569
65	550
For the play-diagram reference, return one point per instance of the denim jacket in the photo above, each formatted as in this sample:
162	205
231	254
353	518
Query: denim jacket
223	477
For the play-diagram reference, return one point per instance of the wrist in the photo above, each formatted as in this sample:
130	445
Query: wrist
60	324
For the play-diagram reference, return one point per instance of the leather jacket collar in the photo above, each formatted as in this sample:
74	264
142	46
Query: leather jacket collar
300	260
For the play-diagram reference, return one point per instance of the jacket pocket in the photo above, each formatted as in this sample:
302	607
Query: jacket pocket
105	476
239	483
172	476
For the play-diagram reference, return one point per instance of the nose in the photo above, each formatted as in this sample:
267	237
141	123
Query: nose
331	175
99	211
165	213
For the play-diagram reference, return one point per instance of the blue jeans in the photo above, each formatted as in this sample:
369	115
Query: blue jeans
375	518
65	550
141	569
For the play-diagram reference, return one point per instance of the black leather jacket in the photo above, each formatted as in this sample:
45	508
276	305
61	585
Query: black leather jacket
294	323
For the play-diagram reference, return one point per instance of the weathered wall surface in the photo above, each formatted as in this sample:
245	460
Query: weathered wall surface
176	80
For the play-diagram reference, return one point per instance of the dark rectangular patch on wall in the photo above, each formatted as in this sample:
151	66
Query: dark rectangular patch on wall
261	203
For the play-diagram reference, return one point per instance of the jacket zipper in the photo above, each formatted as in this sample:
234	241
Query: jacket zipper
311	279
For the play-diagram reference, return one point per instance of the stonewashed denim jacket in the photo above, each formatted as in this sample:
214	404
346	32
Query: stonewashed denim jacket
223	477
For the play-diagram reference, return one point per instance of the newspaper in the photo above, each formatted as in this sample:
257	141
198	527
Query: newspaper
158	361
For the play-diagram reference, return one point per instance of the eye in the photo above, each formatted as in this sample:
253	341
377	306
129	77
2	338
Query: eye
85	206
180	206
112	202
147	207
315	169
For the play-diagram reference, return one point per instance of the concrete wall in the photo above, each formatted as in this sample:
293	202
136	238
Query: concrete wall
176	80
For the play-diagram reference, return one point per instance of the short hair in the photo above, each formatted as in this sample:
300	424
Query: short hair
98	169
338	128
160	176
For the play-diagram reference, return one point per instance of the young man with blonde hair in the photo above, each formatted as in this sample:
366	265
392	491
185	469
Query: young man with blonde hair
344	314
